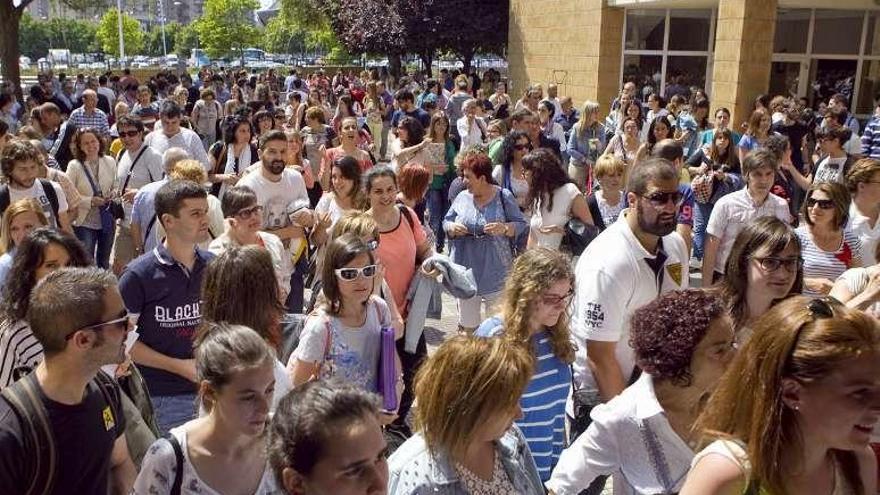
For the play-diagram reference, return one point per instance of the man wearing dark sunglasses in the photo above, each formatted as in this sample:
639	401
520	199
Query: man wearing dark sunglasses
139	165
628	265
74	409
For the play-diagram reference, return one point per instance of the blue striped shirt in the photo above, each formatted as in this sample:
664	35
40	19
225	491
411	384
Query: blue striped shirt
543	402
871	139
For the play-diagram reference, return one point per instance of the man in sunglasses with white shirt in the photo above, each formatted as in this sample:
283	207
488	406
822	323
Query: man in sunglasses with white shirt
139	165
628	265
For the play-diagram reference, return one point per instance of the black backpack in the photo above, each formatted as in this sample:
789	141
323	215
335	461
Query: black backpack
41	457
48	188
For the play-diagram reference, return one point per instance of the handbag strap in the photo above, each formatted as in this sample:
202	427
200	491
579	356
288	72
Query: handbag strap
95	190
178	458
131	168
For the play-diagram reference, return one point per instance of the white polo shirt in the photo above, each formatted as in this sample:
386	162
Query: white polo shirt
860	225
613	280
733	212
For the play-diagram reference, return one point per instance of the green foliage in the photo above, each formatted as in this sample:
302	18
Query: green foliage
36	37
153	41
227	25
108	34
185	40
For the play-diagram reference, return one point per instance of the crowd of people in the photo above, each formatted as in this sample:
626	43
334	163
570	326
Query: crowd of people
220	283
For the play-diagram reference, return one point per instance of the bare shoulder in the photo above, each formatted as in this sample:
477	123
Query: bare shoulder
715	474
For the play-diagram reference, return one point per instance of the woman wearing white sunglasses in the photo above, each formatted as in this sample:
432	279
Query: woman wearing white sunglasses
342	337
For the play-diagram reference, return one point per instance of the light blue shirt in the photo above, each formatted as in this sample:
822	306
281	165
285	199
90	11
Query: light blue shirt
143	212
5	267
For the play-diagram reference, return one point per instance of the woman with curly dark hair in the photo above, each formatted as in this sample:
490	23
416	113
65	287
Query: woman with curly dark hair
43	251
683	342
533	314
553	198
230	157
411	146
509	174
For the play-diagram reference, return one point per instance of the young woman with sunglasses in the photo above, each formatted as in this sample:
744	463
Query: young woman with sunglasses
342	337
829	248
244	223
533	315
795	411
509	174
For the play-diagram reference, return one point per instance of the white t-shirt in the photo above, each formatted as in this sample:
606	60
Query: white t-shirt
613	280
856	280
520	186
609	212
279	199
860	225
159	466
563	198
830	170
36	191
732	212
147	169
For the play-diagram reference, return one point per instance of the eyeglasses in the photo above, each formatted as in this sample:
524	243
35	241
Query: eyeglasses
554	300
122	322
825	204
129	134
520	147
660	199
247	213
772	263
349	274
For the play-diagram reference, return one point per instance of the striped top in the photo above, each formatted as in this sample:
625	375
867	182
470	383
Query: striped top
20	352
543	403
871	139
828	264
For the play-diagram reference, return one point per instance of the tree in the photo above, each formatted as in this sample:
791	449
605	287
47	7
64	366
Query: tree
33	37
10	22
227	25
472	27
283	36
185	40
153	41
79	36
108	33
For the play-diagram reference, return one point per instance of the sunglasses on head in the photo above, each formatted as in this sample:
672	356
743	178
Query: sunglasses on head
350	274
825	204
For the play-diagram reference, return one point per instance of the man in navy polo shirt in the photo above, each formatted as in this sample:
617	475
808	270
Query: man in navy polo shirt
162	287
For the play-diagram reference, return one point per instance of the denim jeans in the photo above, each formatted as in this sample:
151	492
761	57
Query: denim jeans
701	220
295	301
173	410
438	205
98	243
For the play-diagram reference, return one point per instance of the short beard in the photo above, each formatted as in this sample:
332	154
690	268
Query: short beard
275	168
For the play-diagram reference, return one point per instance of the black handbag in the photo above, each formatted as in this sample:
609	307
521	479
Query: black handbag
116	209
578	235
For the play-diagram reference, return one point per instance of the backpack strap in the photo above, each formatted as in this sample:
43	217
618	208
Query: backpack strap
110	390
178	457
41	456
404	211
4	198
593	205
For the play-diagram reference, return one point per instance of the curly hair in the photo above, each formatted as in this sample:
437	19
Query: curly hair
665	332
76	143
532	273
547	175
17	151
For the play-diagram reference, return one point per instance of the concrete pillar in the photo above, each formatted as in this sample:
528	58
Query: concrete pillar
743	51
576	44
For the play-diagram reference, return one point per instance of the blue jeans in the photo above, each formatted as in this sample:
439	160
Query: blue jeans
97	243
701	220
173	410
295	301
438	205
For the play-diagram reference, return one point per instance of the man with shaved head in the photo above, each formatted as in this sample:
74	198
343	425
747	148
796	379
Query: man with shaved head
89	115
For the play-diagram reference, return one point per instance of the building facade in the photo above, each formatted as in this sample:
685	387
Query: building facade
734	49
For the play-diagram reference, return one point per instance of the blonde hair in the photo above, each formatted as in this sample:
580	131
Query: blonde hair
589	107
15	209
191	170
359	223
465	383
608	164
790	341
532	273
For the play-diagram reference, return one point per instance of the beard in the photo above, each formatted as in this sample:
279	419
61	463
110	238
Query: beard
660	226
22	185
276	167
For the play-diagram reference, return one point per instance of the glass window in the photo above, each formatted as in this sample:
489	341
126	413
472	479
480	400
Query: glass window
872	42
644	29
792	26
838	32
831	76
869	92
689	29
645	71
784	78
684	72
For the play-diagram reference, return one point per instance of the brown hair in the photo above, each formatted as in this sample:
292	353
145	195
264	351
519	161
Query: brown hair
532	273
76	143
861	173
789	341
340	251
413	181
755	121
838	195
191	170
466	382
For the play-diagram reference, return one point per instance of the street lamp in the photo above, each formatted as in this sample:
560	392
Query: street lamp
119	25
162	20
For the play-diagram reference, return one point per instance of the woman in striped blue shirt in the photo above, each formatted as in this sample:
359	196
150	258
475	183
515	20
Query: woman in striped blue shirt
532	313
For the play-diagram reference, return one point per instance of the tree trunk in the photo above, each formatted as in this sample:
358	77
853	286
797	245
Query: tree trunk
466	59
10	19
394	65
427	57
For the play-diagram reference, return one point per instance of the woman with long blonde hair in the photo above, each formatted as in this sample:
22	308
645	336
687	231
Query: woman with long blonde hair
795	411
532	314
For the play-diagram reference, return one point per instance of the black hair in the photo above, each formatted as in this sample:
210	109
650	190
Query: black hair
170	197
